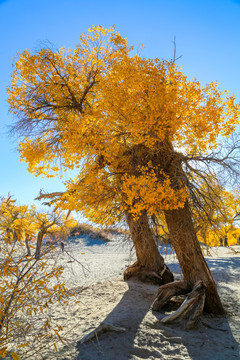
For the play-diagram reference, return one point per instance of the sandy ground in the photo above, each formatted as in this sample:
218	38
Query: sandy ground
101	296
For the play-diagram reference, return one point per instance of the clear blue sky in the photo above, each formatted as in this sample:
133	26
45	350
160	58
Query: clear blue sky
207	35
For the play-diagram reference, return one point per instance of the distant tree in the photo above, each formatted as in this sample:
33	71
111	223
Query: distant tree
218	215
52	223
23	223
141	135
17	221
46	223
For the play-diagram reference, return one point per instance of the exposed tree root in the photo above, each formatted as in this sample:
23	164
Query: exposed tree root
102	328
192	307
166	292
143	274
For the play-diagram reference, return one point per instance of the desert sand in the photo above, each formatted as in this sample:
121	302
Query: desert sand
102	297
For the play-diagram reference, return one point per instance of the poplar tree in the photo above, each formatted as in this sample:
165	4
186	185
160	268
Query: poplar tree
140	133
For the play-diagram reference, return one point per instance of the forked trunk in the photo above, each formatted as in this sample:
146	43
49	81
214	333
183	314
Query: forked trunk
150	265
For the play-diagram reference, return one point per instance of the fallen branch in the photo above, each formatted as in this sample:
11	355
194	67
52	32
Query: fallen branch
102	328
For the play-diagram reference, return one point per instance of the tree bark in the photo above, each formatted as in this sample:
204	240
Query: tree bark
39	244
166	292
189	253
184	238
191	308
150	265
27	238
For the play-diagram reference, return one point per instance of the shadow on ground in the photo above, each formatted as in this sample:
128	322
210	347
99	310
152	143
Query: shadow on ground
212	339
129	314
146	338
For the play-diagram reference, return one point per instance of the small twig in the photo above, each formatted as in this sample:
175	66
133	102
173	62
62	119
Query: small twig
83	267
175	51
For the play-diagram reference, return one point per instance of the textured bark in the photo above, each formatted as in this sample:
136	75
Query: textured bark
166	292
189	253
191	308
183	234
150	265
39	244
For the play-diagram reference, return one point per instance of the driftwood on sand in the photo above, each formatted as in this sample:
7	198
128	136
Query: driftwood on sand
102	328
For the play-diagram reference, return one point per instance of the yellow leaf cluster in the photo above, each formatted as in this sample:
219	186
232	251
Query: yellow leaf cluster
146	192
90	107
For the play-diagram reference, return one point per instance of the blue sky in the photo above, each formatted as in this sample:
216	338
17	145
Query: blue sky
207	35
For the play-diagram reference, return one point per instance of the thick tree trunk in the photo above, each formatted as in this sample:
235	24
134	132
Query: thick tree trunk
189	253
150	265
196	273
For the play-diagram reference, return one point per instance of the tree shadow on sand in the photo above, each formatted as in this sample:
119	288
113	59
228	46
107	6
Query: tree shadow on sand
129	314
212	339
147	338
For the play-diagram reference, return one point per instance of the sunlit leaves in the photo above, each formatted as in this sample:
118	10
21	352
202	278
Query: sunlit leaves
28	286
91	107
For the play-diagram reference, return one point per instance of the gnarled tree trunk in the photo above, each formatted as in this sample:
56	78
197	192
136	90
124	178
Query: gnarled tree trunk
150	265
189	253
195	270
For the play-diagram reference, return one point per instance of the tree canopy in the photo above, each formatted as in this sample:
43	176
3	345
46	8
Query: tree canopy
118	117
145	140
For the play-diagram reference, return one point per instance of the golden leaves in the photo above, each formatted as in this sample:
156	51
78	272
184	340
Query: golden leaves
3	352
28	285
15	356
100	101
147	192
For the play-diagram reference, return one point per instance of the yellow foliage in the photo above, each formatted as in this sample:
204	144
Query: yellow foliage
223	209
15	356
213	237
26	283
3	352
91	107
